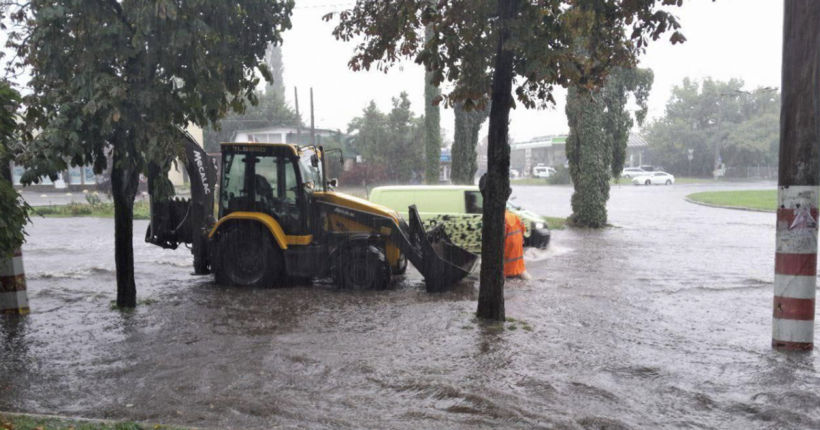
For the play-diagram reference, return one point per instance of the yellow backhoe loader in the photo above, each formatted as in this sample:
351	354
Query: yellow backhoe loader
279	217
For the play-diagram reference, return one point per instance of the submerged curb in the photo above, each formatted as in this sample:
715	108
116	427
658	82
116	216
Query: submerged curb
737	208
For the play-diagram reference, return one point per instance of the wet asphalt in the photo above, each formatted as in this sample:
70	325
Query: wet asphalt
662	321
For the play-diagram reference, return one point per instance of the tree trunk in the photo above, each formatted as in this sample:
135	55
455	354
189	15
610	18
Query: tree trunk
497	187
432	128
124	184
465	139
461	150
586	146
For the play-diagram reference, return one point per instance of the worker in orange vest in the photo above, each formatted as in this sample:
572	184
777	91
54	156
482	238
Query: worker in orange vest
514	247
513	240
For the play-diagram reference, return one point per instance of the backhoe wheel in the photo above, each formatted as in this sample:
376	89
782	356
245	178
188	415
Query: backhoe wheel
248	257
401	265
362	267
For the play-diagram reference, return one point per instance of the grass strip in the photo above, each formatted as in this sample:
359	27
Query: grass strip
79	210
759	200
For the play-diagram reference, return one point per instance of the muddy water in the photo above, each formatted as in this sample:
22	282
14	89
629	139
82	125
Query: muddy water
661	322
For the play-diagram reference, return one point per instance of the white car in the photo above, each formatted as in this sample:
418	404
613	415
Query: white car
654	178
631	172
543	171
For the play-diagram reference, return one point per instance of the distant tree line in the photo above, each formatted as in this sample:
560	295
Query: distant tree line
702	114
391	144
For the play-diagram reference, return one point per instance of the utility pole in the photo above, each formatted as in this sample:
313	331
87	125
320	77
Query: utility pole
795	264
312	129
298	117
717	141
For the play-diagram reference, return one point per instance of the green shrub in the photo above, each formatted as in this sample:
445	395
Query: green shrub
78	209
47	210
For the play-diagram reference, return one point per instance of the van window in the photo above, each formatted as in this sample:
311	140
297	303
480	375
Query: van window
474	202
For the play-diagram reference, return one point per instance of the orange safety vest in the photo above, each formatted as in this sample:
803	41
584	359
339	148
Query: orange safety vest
513	245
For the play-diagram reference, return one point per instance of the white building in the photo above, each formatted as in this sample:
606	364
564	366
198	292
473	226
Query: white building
281	134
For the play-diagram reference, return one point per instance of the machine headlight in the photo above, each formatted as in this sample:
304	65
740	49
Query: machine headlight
539	225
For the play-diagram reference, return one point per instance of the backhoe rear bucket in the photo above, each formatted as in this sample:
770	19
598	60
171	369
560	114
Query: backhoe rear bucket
440	261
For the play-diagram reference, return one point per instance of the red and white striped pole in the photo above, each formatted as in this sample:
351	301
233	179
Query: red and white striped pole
795	266
13	296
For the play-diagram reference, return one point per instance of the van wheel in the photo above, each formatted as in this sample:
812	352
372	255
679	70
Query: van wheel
247	257
362	267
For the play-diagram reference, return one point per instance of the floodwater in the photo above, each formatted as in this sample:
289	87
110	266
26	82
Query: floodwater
663	321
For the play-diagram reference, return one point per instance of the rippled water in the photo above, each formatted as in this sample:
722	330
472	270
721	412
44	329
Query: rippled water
663	321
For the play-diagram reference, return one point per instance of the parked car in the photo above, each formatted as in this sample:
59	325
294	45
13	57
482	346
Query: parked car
631	172
514	173
459	209
655	178
542	171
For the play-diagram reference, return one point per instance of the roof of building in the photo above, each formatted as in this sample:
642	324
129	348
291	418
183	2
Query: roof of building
304	130
540	142
636	141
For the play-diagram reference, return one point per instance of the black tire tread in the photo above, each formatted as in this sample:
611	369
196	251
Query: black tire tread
275	261
380	264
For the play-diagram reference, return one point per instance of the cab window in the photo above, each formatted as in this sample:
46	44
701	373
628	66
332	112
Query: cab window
474	202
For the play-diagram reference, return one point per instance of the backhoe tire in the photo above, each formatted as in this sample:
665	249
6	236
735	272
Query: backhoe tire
362	267
401	265
248	257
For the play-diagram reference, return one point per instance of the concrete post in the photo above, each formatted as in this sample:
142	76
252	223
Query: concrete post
795	264
13	296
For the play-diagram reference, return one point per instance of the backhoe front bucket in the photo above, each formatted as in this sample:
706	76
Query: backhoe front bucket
440	261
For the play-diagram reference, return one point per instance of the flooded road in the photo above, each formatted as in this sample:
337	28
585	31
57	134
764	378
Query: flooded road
663	321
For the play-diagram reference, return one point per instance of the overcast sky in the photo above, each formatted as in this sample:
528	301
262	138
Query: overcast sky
726	39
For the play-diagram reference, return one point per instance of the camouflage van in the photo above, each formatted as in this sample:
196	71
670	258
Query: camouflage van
458	208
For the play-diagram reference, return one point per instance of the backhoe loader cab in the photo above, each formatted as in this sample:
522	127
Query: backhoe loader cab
278	218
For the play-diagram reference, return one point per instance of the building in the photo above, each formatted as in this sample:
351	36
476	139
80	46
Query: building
551	151
637	151
546	150
281	134
445	166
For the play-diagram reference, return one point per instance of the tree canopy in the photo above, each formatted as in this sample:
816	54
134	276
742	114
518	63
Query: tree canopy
393	140
14	209
146	69
701	114
542	37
